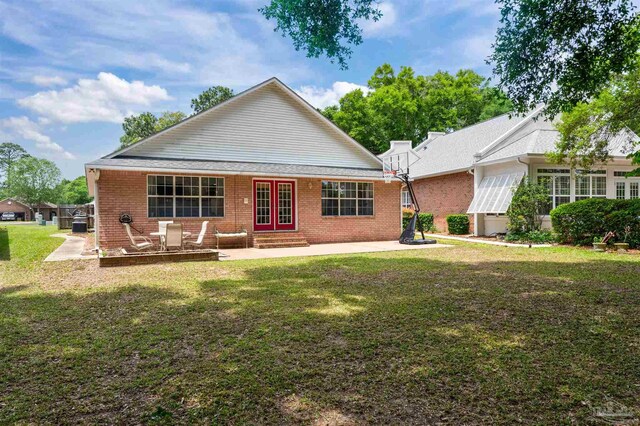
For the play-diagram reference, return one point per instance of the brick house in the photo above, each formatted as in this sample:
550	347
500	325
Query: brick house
265	160
22	211
473	170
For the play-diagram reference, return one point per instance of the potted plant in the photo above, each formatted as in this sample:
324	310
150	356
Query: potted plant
598	245
624	246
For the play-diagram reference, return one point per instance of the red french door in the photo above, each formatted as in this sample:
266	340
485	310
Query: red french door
274	205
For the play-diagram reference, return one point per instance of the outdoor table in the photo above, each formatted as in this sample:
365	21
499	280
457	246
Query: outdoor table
161	236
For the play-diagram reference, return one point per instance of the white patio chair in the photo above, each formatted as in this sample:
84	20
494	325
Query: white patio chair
173	238
138	242
200	241
162	230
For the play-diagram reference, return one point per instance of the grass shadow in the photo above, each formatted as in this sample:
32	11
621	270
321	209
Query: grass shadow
5	251
381	339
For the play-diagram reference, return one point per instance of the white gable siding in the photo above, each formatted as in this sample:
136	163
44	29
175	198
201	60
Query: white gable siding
265	126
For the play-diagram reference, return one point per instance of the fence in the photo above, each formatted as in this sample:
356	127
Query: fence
66	213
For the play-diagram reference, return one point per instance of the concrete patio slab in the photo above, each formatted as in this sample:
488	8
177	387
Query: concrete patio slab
322	249
71	249
480	241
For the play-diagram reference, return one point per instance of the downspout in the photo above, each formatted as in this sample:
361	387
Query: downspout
96	209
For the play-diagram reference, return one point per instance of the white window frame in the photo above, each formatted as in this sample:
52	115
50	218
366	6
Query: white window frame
357	198
592	176
552	173
174	197
405	204
619	177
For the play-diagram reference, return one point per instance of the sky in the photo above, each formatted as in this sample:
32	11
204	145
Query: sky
70	71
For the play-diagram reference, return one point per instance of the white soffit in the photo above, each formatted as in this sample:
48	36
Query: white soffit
495	193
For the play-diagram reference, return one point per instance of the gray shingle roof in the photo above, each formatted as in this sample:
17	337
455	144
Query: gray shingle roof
455	150
526	136
228	167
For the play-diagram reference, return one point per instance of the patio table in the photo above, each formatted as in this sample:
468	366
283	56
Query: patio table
161	236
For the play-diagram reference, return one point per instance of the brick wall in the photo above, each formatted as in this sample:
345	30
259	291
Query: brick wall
12	206
445	195
126	192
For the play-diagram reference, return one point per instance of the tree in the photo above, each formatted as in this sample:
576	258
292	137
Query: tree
322	27
563	52
9	154
587	130
210	98
34	180
74	191
138	127
405	106
529	203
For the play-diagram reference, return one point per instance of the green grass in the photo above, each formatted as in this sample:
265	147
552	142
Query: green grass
466	335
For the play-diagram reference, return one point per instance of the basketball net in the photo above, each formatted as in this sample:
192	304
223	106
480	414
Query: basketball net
388	175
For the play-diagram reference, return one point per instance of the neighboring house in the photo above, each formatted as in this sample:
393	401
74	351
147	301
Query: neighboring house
265	160
47	210
23	212
473	170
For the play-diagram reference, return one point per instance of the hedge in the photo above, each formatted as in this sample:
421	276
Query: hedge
425	218
579	222
458	224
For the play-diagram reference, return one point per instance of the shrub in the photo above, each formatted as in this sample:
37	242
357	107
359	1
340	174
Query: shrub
530	201
426	219
580	222
534	237
458	224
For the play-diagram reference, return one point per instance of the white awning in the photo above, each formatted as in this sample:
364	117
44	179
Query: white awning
495	193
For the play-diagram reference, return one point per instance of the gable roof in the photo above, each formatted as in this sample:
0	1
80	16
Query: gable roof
495	140
455	151
13	200
266	123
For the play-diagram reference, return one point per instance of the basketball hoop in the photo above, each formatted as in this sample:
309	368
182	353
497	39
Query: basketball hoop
388	175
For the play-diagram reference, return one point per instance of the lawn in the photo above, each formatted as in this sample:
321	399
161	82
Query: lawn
471	334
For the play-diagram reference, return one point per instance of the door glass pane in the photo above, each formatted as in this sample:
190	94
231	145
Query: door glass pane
285	207
634	190
263	203
620	190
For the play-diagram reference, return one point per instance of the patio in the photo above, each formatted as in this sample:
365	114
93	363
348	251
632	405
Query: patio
321	249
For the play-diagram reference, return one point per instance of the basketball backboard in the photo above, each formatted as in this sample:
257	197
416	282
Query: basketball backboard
395	164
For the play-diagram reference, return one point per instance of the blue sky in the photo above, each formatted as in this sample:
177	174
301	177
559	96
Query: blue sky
71	70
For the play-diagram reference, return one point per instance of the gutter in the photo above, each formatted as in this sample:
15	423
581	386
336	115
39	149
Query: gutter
227	173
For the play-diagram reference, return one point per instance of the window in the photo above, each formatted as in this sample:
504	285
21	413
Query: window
628	189
406	200
620	190
347	198
160	196
591	184
558	184
212	197
185	196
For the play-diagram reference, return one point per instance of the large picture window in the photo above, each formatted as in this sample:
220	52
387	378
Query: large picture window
185	196
558	184
347	198
591	184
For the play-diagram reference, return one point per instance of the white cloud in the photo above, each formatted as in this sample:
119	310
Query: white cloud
107	98
27	129
321	98
47	81
176	42
389	17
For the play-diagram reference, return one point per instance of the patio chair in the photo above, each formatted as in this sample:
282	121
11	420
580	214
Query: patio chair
173	238
138	242
200	241
162	231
